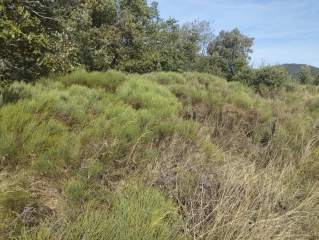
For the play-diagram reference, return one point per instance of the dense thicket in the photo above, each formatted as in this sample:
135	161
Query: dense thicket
39	37
42	37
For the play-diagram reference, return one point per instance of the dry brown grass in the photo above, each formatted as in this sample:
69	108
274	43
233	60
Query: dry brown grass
233	165
235	200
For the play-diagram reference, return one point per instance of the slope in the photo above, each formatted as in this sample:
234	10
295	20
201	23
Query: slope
294	70
157	156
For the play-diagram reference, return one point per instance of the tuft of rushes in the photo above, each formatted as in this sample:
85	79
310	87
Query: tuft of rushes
104	155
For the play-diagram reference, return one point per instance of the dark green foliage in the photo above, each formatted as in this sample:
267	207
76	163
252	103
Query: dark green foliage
32	43
230	51
88	30
273	77
247	75
37	39
265	78
316	80
305	76
3	85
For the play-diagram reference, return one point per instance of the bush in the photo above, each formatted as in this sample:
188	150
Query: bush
16	92
316	80
274	77
247	76
305	76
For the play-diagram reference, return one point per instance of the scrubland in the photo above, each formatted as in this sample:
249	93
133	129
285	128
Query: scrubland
105	155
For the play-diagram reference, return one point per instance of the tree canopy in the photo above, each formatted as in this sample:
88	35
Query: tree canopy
32	40
230	51
41	37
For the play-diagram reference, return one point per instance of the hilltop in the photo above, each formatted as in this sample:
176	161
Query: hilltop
294	69
140	145
108	155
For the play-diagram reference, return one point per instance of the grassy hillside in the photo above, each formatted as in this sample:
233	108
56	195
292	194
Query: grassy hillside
157	156
294	70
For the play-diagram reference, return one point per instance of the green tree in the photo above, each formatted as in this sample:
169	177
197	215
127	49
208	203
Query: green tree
89	28
230	51
32	42
203	30
134	41
305	76
247	75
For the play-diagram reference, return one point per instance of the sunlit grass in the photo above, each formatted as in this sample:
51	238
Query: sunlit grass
157	156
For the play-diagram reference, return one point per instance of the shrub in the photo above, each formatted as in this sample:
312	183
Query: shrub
15	92
247	75
316	80
274	77
4	84
305	76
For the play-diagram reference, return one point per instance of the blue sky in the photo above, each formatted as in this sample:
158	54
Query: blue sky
285	31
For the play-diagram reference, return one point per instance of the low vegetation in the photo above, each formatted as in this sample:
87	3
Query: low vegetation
106	155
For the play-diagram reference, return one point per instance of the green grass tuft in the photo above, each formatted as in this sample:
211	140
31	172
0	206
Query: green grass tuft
157	156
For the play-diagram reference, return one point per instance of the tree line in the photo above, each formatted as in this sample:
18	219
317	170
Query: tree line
38	37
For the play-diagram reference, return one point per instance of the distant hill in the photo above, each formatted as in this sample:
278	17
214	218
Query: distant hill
293	69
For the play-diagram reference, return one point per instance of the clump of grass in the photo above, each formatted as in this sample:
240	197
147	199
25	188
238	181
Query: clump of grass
15	92
75	190
137	213
149	95
108	80
238	96
145	213
13	198
313	105
13	201
213	160
95	168
166	78
236	199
